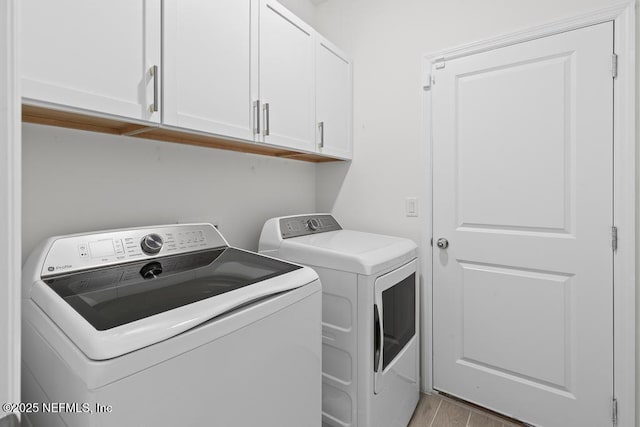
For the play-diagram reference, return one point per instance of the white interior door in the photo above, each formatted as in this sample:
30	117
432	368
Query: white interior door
523	176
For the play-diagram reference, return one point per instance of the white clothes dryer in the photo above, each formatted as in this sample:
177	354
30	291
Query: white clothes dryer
168	326
370	351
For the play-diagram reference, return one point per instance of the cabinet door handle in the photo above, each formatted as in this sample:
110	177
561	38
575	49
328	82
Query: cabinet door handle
154	73
265	109
321	127
256	112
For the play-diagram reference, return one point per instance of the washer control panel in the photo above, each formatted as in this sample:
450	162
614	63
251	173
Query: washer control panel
85	251
296	226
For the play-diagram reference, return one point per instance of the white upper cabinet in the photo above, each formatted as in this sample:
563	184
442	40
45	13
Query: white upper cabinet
333	100
286	78
210	73
92	55
245	70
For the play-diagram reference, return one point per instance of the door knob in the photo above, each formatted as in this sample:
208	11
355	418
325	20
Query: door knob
442	243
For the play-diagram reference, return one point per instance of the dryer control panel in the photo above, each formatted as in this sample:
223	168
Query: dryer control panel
296	226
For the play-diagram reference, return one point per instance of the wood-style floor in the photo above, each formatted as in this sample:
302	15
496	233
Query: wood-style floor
440	411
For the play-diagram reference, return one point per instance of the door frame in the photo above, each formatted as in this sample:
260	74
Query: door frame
10	205
624	203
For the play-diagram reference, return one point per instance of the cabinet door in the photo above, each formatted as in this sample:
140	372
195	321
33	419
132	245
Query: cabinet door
92	55
333	101
286	78
208	66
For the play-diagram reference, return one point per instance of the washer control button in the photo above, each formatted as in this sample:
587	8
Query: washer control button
83	250
151	244
313	224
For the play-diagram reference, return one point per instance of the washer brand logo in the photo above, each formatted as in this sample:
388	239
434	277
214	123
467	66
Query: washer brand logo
50	268
60	267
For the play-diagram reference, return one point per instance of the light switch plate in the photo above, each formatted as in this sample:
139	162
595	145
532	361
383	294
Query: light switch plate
411	206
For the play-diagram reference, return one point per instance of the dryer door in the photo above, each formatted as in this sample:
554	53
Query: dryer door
395	317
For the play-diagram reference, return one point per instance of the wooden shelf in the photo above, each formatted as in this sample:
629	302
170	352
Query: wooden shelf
72	120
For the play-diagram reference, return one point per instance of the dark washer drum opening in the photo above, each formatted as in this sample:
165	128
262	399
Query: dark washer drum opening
108	297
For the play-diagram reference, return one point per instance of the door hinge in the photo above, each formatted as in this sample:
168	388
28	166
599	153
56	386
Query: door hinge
614	65
614	410
614	238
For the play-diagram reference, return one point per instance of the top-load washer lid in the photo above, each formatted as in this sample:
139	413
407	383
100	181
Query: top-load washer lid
113	296
323	243
112	309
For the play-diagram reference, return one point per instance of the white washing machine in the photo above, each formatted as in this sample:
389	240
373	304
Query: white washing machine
370	359
168	326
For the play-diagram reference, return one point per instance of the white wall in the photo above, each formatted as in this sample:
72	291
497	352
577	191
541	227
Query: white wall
75	181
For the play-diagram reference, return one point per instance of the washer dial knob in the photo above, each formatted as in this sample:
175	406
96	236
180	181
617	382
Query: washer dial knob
313	224
151	244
